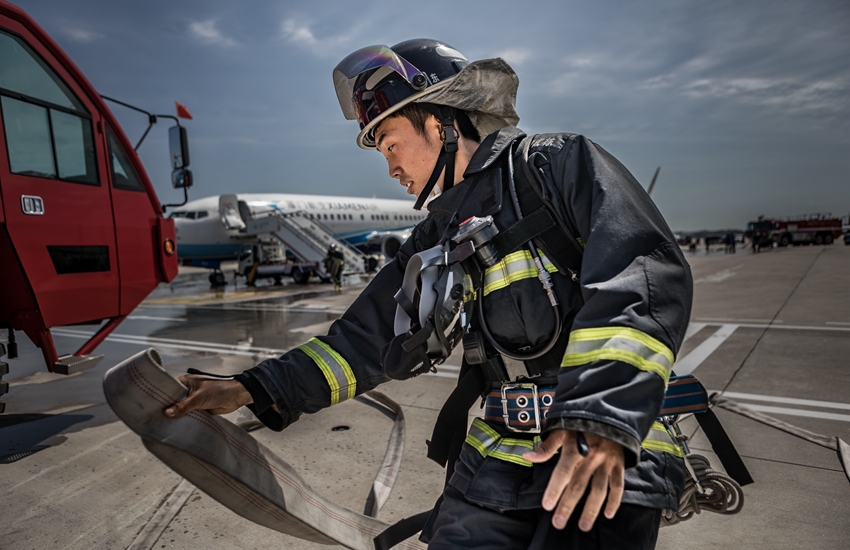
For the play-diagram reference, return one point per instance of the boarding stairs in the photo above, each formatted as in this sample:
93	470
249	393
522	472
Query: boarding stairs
307	239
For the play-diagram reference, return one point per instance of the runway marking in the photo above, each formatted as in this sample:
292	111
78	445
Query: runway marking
789	400
837	323
190	345
691	361
794	327
693	328
726	320
151	318
719	276
800	412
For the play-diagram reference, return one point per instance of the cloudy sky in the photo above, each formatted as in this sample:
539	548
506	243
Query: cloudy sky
744	105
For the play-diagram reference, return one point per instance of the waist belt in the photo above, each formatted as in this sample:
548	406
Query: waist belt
522	406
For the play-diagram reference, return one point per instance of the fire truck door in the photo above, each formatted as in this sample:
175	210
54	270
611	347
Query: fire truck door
53	181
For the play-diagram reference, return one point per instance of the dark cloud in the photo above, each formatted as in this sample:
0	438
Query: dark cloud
743	104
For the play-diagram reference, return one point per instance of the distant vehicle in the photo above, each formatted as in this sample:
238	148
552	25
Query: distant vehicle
806	229
235	227
82	236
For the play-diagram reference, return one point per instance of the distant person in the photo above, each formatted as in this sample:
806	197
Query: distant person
334	264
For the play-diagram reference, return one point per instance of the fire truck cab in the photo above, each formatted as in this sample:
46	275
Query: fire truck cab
82	236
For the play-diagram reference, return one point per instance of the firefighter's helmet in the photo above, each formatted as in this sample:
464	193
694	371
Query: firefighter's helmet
374	82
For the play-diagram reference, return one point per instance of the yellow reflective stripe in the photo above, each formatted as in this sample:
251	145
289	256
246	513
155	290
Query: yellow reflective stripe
619	344
514	267
659	439
337	371
488	442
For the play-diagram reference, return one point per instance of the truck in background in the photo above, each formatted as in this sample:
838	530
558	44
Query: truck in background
83	239
805	229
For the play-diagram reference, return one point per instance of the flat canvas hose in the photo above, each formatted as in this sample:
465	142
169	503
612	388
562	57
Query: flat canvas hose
231	466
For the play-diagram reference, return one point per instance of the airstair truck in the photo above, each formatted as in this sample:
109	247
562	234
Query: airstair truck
83	239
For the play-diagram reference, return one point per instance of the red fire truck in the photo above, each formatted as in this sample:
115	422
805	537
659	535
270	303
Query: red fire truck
83	239
806	229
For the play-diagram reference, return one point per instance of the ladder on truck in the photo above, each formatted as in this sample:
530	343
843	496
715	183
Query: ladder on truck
307	239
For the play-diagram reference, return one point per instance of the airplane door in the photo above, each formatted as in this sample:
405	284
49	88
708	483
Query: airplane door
53	181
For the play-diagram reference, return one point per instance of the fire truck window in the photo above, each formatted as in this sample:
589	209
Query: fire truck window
23	71
28	138
74	148
124	176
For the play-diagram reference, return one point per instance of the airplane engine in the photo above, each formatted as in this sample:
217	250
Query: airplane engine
390	246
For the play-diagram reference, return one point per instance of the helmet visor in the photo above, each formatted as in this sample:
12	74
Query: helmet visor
362	100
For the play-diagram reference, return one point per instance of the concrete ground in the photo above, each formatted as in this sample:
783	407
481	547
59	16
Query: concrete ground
770	329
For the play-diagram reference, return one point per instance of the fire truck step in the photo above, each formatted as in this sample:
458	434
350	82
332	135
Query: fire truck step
70	364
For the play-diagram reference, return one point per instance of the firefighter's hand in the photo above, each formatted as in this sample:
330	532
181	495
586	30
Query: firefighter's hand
603	468
215	396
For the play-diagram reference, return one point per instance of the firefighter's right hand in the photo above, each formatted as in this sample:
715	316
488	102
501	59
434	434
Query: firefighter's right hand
215	396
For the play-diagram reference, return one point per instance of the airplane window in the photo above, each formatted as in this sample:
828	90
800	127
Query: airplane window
362	217
326	216
203	214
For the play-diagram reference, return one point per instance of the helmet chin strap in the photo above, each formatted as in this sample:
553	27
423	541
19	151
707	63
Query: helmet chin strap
448	135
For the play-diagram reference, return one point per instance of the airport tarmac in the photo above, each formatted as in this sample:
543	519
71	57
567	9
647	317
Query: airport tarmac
772	330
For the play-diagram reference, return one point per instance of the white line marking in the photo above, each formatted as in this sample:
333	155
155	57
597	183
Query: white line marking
693	328
163	517
691	361
727	320
190	345
795	327
719	276
150	318
836	323
789	400
800	412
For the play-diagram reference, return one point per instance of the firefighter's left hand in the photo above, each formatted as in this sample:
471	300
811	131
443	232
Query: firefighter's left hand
603	468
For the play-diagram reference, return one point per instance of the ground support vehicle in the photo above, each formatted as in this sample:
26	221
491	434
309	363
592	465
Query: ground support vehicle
83	239
806	229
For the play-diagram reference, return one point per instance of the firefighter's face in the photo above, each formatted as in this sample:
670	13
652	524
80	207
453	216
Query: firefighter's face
410	155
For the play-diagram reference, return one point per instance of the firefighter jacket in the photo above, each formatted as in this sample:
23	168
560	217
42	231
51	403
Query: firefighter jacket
624	318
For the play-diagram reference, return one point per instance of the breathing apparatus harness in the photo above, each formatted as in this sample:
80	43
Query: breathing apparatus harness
443	285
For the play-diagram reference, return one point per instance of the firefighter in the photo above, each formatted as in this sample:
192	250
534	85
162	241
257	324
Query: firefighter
578	459
334	264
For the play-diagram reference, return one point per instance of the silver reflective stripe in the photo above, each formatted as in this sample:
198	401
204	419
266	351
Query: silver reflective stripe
659	439
619	344
514	267
337	371
488	442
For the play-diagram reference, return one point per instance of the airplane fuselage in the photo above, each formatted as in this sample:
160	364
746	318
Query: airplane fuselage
201	235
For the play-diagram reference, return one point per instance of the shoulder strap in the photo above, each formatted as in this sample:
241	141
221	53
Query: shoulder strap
557	242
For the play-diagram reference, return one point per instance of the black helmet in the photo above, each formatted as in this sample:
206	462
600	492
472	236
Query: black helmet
374	82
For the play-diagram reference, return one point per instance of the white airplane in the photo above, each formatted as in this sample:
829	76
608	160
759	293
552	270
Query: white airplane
205	237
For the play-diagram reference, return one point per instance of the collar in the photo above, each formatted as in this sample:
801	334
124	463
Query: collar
486	198
491	148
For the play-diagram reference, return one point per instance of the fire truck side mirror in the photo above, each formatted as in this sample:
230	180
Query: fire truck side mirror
178	147
181	179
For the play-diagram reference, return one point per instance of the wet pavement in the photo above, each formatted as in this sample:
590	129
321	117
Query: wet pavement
770	329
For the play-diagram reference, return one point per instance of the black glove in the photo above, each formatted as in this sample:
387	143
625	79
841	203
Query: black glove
400	364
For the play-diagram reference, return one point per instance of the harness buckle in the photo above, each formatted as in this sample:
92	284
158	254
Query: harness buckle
521	386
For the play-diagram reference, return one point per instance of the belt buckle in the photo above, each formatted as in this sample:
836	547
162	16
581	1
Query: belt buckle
506	416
